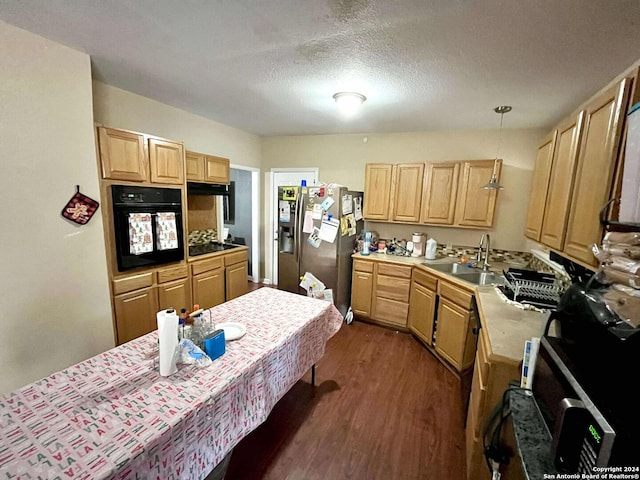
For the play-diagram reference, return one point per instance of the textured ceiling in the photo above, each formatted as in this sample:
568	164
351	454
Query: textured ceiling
271	66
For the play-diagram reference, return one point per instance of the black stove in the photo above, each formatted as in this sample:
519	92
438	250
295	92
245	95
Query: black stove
195	250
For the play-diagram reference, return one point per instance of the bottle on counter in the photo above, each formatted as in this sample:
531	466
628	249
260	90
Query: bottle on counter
198	329
367	244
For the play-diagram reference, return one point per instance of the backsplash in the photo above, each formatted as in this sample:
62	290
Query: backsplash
200	237
496	255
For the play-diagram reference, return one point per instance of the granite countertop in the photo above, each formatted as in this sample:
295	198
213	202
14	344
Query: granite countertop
506	325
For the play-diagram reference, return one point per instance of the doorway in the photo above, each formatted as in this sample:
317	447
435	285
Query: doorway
283	177
241	214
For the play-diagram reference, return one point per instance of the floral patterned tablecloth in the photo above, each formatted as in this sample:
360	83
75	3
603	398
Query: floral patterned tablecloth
113	417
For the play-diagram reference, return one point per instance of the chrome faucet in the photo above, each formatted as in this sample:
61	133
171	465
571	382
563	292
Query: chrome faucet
485	265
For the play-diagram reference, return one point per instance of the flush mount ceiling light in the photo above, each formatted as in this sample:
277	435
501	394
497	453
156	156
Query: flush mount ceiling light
493	183
349	102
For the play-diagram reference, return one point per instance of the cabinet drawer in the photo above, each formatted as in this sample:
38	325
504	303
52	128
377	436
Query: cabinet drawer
458	296
236	257
134	282
398	271
426	280
172	273
362	266
206	265
391	311
393	288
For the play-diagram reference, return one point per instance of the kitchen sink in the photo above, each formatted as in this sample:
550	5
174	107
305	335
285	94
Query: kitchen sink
482	278
455	268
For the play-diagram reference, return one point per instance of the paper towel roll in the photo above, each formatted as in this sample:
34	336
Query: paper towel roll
168	341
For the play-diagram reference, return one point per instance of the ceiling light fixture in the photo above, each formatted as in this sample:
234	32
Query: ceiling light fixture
349	102
493	183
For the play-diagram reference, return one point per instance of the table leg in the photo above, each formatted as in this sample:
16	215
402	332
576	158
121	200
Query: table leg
313	375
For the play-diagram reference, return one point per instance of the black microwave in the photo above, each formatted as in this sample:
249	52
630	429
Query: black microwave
590	424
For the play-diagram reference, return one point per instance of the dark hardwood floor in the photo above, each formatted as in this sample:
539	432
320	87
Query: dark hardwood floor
383	408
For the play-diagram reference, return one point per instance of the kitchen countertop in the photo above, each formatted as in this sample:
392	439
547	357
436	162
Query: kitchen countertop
506	326
237	248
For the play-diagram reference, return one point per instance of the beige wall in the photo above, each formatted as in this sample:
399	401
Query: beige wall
341	159
117	108
54	294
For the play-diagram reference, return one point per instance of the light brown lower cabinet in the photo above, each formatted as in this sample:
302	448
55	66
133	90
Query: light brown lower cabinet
491	377
361	288
380	292
422	305
457	322
207	282
391	290
236	279
135	313
138	298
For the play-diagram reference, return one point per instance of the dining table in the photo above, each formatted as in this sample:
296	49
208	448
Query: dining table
113	416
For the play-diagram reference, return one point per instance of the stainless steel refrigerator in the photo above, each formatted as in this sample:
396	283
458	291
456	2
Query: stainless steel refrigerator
307	218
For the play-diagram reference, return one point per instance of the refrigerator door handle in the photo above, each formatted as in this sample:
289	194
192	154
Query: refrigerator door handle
297	230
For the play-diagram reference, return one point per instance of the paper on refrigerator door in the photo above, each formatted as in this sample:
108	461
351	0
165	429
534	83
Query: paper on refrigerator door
309	281
317	211
347	204
285	211
307	226
314	238
358	208
329	230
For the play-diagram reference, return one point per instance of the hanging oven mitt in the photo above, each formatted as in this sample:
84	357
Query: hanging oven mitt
80	208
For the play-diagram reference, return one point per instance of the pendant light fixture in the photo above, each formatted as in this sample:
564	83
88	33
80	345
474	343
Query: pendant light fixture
493	183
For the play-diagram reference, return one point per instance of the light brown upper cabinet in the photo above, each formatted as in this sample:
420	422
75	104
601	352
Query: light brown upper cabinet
136	157
122	155
540	186
407	181
475	206
377	187
594	173
440	191
556	207
207	168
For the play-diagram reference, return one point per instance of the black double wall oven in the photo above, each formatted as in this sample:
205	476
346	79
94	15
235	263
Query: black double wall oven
147	226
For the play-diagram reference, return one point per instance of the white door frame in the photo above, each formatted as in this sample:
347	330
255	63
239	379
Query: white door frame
272	222
255	220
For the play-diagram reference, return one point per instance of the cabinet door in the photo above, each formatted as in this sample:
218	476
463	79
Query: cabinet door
451	332
440	191
122	155
539	187
594	174
556	213
176	294
475	206
208	288
407	192
135	313
216	169
422	307
194	166
377	191
237	279
166	160
361	288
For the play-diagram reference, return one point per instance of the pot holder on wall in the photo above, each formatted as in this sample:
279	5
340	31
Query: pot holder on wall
80	208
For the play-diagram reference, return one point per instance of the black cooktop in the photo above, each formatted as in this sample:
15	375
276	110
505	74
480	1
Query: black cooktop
195	250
